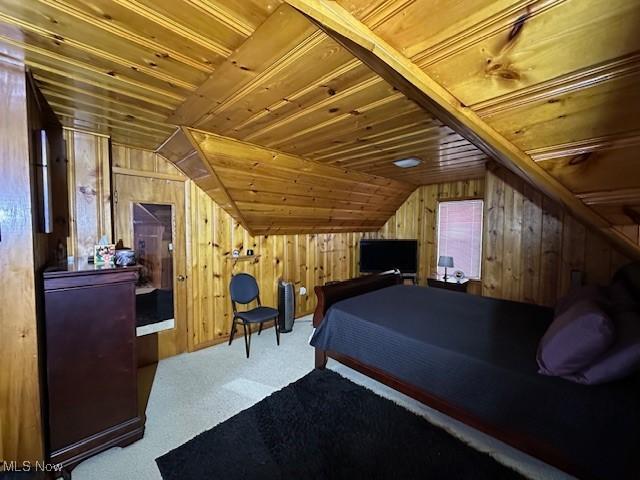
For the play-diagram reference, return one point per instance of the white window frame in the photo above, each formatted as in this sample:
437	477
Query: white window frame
440	202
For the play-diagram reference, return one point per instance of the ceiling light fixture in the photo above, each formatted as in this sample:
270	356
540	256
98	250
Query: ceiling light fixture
408	162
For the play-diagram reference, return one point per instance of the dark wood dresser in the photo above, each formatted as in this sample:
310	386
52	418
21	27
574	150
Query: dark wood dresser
91	366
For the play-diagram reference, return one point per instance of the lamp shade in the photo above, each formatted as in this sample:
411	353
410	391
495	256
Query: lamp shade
444	261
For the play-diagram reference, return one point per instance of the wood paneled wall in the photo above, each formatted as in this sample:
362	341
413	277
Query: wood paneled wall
530	244
212	235
307	260
417	218
523	260
89	191
20	417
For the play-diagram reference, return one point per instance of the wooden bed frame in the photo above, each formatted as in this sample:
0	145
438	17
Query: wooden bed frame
332	293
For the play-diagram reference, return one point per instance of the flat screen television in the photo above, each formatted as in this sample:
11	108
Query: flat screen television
382	255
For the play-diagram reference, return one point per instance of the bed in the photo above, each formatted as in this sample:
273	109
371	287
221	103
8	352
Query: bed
474	358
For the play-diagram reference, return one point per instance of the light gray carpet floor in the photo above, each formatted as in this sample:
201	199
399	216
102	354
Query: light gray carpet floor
194	392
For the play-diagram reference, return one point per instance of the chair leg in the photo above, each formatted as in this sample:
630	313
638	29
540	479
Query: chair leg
233	330
276	327
260	329
247	339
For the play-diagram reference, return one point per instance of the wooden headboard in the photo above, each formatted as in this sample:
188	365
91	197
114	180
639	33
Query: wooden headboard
334	292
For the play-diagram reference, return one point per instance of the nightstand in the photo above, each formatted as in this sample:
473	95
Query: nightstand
450	284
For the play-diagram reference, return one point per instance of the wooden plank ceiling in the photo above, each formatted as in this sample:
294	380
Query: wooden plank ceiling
253	70
290	87
560	79
121	67
271	192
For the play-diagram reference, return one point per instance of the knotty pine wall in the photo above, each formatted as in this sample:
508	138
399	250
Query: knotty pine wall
528	260
89	191
307	260
417	218
530	244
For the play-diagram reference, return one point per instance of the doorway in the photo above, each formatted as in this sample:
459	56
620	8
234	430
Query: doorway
150	219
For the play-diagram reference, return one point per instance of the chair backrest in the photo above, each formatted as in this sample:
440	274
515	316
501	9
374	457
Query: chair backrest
243	288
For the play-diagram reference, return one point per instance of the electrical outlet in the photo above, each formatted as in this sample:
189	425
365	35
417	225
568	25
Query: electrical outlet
303	290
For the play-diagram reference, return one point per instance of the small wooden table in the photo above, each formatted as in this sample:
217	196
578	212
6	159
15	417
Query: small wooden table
450	284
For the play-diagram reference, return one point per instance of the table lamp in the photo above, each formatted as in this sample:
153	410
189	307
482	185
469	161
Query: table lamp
446	262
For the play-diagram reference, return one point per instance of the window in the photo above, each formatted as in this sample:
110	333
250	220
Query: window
460	235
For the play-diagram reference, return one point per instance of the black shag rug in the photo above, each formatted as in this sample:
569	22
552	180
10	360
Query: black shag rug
325	426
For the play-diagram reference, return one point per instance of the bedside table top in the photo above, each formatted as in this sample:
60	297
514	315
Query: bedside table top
450	279
449	284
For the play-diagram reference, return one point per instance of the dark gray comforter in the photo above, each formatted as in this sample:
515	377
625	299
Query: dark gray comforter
479	354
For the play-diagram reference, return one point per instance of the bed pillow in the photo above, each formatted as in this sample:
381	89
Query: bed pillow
630	276
589	292
621	360
575	339
621	298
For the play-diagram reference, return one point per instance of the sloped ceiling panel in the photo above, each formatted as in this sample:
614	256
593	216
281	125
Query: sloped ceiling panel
566	96
292	88
254	70
272	192
121	67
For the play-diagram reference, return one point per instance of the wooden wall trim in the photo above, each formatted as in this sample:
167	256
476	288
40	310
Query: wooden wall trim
417	85
142	173
580	147
88	132
614	197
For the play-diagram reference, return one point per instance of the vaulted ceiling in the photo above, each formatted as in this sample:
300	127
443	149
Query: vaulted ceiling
559	80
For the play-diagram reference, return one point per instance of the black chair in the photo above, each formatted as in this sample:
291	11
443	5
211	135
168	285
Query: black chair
244	290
